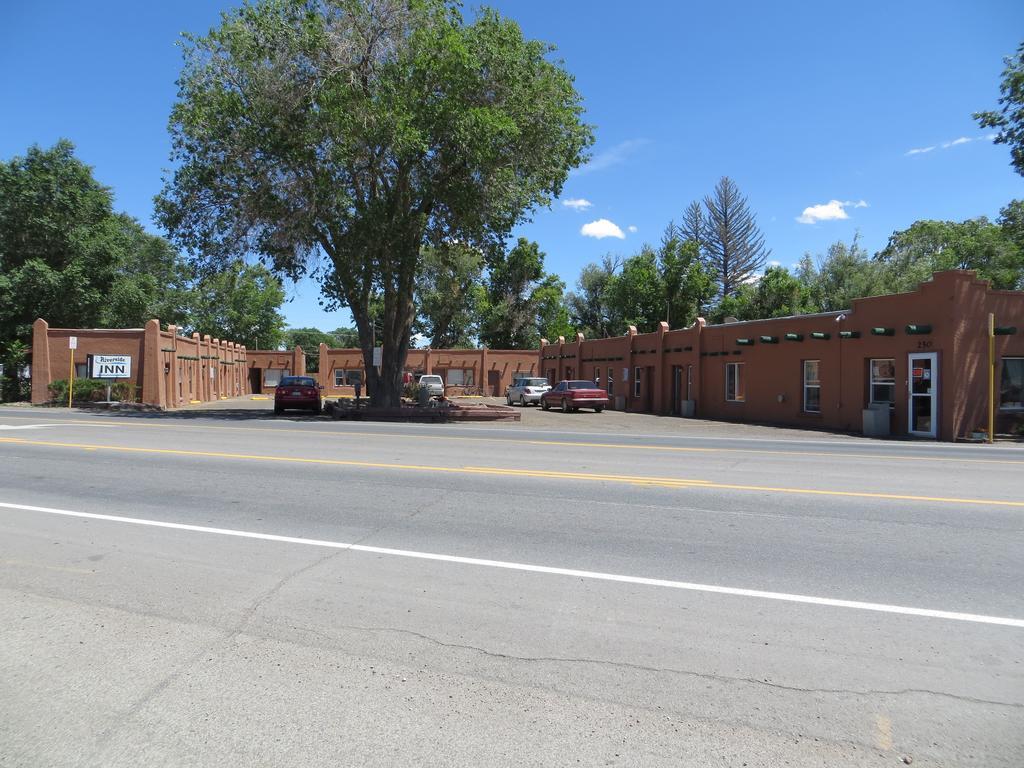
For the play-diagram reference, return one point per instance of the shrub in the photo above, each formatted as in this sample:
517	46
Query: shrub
92	390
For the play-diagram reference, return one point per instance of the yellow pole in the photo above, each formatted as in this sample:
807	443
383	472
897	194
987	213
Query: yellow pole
991	377
71	375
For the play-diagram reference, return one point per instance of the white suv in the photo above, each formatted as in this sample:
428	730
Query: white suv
433	383
527	390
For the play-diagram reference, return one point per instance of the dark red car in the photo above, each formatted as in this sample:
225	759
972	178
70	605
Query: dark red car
573	395
297	392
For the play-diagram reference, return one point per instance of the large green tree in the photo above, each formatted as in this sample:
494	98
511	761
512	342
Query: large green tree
520	301
913	254
240	303
364	131
844	273
448	294
1009	118
686	283
589	308
636	294
60	242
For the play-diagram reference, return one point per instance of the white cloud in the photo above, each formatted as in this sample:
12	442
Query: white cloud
631	228
602	228
833	210
577	203
774	263
612	156
950	144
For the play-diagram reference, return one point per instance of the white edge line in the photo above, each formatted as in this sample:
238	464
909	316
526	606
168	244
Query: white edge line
510	566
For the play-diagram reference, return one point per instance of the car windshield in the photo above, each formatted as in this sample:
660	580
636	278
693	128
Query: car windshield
298	381
430	379
531	382
581	385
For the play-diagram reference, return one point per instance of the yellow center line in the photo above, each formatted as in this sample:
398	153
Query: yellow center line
528	441
666	482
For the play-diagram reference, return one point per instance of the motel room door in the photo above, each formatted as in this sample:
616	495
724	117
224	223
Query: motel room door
924	394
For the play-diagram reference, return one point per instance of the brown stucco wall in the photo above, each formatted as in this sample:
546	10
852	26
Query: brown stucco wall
260	360
955	304
170	370
492	369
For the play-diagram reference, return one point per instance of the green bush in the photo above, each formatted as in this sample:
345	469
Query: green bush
93	390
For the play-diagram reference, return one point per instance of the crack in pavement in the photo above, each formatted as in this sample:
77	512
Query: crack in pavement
212	647
673	670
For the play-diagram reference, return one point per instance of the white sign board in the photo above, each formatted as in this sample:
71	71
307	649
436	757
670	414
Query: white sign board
378	357
72	342
111	366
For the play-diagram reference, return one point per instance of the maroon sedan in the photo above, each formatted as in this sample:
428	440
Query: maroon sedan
573	395
297	392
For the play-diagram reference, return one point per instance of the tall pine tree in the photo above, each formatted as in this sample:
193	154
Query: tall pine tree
734	245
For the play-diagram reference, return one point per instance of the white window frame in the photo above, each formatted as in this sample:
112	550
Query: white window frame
636	381
739	392
1002	371
809	385
340	371
873	382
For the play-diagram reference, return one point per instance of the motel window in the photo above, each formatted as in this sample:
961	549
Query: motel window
1011	384
611	380
883	381
734	388
271	376
81	371
349	378
812	386
459	377
636	382
597	377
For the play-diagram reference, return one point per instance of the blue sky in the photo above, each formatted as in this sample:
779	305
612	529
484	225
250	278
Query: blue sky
805	105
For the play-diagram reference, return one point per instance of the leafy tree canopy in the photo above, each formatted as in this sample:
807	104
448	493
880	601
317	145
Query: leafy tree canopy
240	303
1009	118
448	295
913	254
364	132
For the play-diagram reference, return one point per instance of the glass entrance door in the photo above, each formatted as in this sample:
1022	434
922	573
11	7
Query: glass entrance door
924	394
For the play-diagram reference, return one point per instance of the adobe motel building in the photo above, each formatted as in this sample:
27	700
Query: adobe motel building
922	357
170	370
340	371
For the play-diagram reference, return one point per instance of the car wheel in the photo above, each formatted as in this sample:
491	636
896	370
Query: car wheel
522	401
545	405
278	410
508	399
318	408
598	408
565	405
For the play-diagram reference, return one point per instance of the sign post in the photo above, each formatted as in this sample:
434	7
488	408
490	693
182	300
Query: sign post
72	346
991	377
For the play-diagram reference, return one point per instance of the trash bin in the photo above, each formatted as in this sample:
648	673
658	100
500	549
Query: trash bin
876	421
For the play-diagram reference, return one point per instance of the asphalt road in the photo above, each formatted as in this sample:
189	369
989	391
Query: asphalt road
226	588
